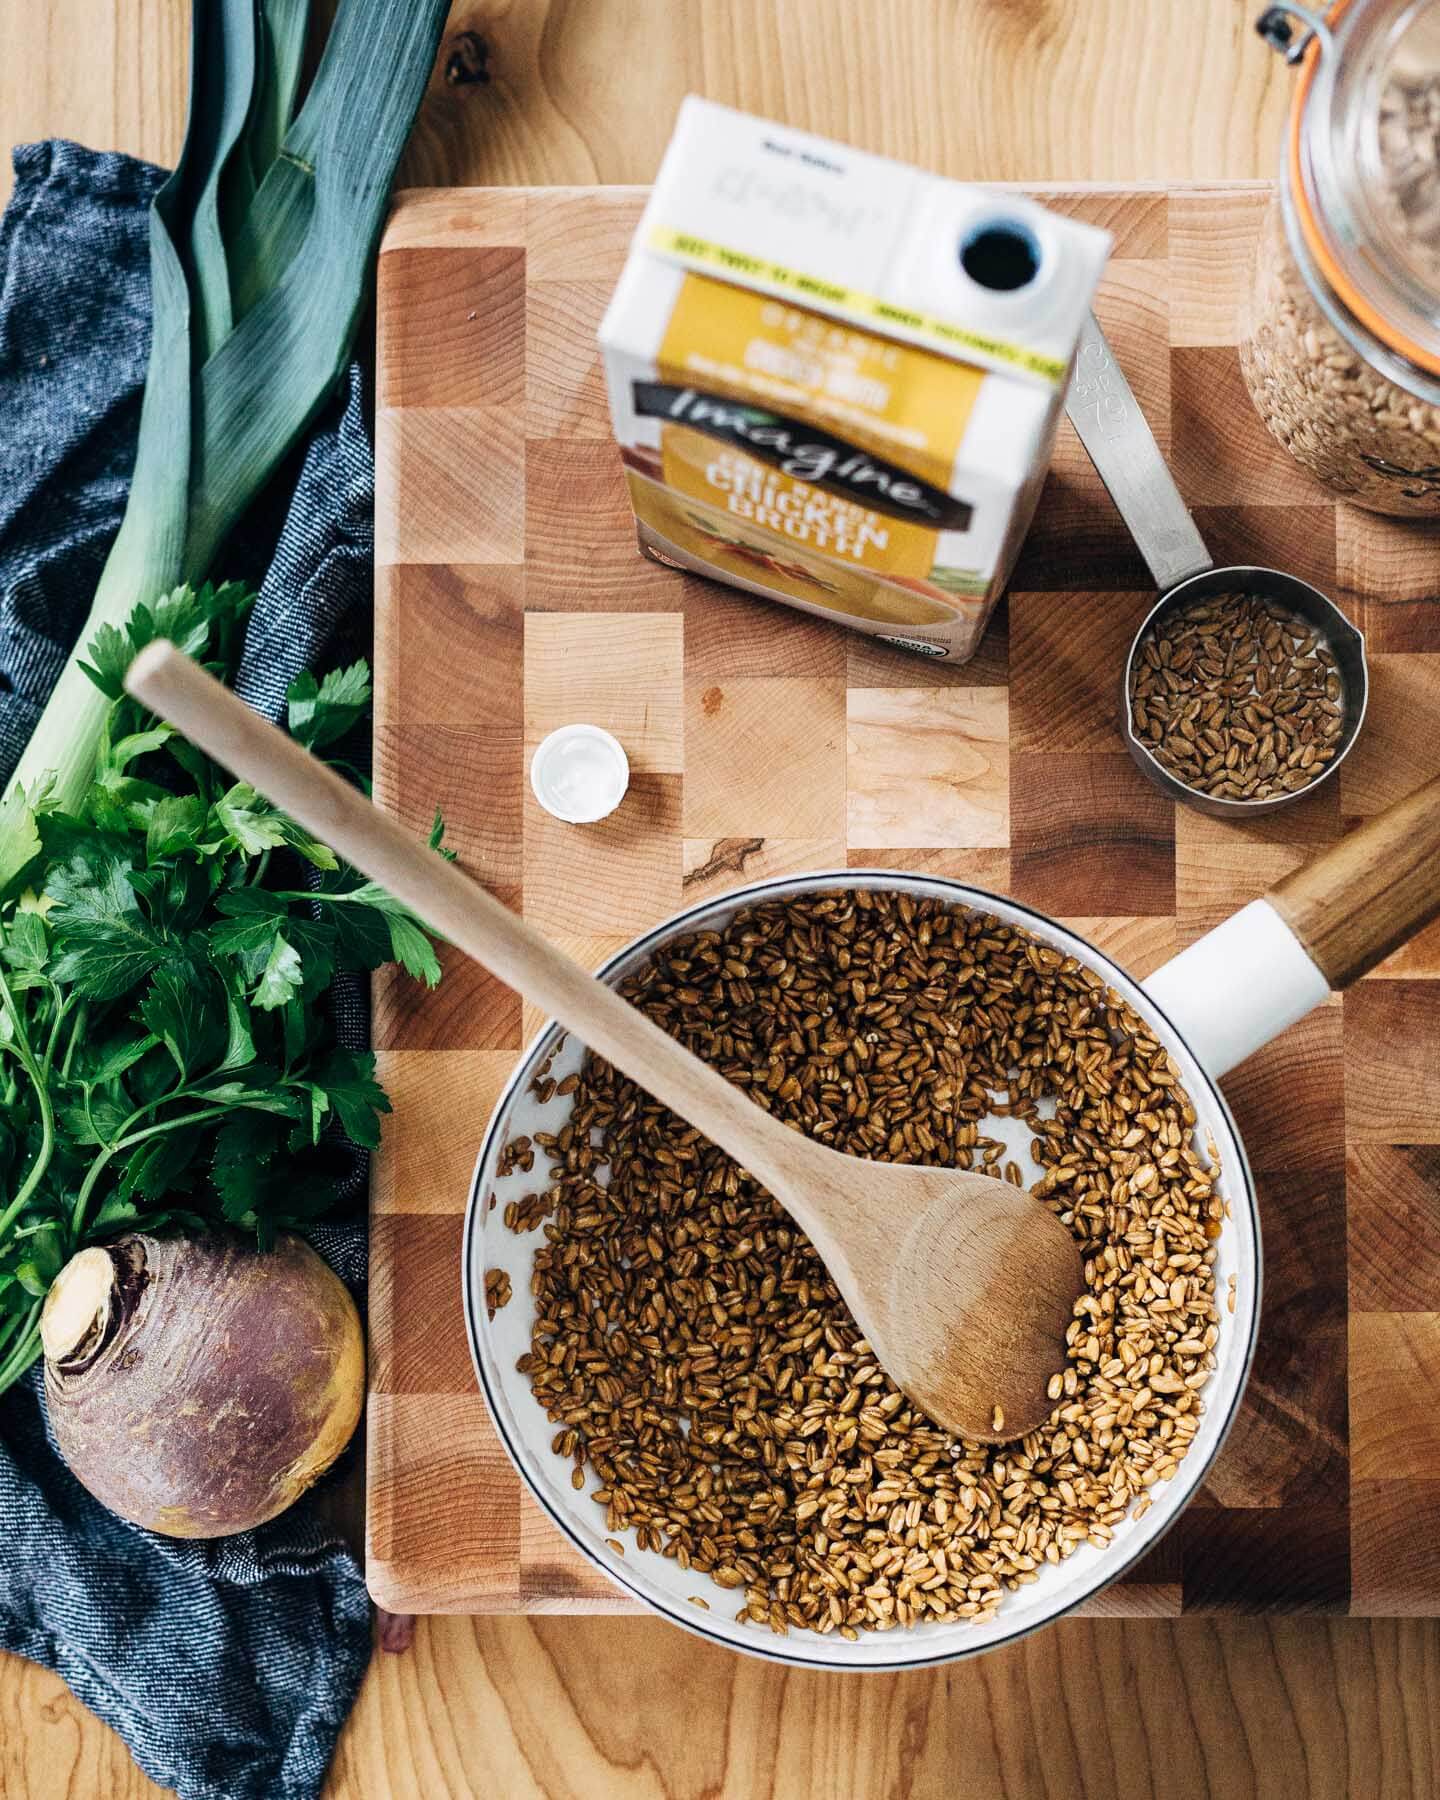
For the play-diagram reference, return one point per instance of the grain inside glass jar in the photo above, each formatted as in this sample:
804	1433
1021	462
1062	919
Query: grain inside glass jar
1340	343
1365	436
690	1349
1238	697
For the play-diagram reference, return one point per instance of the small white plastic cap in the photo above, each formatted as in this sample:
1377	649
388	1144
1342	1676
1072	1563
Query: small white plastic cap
579	774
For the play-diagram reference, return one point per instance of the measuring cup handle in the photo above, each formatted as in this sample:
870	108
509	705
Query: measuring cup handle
1315	932
1108	420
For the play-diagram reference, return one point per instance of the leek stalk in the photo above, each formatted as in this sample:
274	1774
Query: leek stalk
260	249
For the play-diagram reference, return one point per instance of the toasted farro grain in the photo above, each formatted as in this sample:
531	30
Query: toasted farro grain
696	1355
1238	697
497	1291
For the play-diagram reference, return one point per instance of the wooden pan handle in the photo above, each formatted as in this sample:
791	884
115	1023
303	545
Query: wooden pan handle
1370	892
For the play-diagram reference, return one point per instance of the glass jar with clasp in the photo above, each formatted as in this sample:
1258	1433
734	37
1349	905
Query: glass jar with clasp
1341	339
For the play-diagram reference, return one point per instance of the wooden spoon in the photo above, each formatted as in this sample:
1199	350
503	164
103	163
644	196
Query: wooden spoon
962	1283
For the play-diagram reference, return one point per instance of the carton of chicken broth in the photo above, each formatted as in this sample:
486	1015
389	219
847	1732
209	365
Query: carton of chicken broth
835	380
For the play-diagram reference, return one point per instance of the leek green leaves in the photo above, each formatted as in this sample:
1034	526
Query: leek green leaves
260	249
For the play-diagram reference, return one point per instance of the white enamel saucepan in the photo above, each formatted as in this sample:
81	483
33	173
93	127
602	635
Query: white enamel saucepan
1212	1006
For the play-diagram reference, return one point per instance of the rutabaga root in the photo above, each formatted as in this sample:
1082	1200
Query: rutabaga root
199	1386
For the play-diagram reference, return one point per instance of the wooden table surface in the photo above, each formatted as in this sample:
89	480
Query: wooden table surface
584	91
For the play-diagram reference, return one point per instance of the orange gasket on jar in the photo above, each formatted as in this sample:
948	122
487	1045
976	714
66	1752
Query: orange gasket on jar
1344	290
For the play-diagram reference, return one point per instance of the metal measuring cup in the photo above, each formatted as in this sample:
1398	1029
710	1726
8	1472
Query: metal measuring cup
1120	443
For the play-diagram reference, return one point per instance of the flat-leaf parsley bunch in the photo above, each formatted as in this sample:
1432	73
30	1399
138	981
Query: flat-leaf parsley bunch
165	1057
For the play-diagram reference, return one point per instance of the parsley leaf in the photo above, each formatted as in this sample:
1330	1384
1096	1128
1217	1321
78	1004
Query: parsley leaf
254	826
106	944
362	937
412	949
139	743
114	1059
247	927
282	977
111	652
310	848
26	946
175	827
239	1038
437	834
244	1145
95	1118
251	823
320	712
160	1164
20	836
408	944
346	1079
181	1008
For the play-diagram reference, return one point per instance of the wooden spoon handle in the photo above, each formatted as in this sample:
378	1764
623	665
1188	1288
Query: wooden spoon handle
1370	892
178	689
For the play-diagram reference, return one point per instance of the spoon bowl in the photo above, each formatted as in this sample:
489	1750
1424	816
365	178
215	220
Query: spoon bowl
962	1283
982	1282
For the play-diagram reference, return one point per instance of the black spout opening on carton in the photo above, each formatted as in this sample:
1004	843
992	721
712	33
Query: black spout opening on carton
1001	255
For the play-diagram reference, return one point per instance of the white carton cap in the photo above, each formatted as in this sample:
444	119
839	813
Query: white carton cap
579	774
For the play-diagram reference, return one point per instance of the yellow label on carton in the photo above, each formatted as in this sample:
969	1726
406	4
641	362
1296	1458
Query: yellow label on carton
700	536
904	404
754	493
838	443
737	265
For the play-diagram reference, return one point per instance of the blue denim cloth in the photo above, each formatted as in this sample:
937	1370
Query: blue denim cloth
228	1667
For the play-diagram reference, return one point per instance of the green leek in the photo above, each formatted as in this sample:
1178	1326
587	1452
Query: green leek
260	250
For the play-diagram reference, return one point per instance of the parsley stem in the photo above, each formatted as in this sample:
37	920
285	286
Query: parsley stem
188	1091
321	894
11	1329
26	1056
97	1168
77	1031
87	1091
24	1352
61	1008
27	1187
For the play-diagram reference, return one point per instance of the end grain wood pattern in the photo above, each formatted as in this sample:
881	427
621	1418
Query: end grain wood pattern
511	597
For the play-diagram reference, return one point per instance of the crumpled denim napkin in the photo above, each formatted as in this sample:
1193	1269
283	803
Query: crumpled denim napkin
228	1667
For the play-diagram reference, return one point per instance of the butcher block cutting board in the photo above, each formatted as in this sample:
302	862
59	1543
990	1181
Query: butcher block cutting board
510	599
